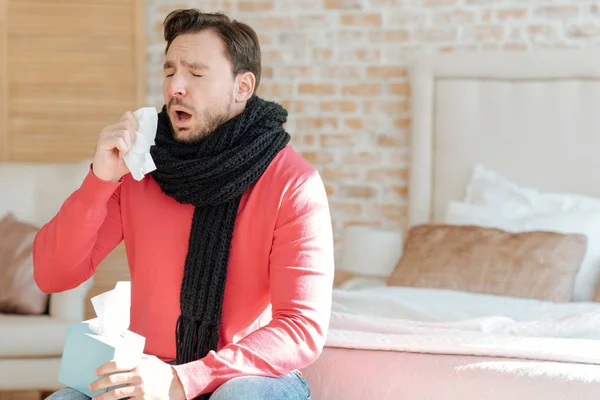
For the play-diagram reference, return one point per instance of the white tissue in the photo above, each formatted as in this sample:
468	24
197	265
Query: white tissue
112	311
138	160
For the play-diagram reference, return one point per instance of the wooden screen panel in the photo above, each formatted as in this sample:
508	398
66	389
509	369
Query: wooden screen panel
74	66
3	81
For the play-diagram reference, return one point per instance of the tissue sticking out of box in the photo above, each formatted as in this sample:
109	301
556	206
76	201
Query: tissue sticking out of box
112	311
138	160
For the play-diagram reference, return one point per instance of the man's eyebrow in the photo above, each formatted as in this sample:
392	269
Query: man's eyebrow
193	65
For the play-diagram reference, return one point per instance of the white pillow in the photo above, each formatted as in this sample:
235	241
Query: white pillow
588	224
487	187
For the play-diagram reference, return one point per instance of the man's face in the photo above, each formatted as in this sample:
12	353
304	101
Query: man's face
198	85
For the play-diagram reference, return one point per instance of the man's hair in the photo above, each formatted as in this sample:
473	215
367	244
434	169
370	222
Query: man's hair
240	40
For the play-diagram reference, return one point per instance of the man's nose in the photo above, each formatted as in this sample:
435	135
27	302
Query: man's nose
177	87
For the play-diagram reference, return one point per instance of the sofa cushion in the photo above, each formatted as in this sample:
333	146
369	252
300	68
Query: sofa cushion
19	294
31	335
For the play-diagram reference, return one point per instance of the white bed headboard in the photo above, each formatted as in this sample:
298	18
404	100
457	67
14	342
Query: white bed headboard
533	117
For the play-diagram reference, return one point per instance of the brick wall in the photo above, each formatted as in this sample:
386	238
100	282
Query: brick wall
339	67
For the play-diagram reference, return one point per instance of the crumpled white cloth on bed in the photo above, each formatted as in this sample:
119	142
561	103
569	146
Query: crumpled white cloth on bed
451	322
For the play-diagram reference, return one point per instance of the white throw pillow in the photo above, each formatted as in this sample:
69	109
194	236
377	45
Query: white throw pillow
487	187
585	223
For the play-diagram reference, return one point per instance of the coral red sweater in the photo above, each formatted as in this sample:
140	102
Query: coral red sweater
277	299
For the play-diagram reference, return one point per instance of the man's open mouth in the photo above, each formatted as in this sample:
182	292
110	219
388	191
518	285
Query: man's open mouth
182	116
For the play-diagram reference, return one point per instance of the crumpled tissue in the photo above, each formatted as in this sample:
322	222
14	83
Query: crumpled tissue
138	160
91	343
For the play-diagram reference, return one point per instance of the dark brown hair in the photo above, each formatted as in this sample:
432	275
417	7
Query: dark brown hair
240	40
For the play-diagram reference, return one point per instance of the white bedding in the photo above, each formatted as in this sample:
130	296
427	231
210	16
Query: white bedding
450	322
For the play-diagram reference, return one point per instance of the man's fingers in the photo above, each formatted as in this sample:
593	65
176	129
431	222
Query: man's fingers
120	378
118	393
128	116
112	366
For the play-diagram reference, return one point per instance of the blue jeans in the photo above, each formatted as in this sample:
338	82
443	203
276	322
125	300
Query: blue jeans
287	387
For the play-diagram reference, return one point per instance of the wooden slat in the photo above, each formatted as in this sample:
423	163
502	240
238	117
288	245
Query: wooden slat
139	44
4	148
74	69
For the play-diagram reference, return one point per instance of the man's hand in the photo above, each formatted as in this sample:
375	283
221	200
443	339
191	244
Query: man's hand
151	379
114	143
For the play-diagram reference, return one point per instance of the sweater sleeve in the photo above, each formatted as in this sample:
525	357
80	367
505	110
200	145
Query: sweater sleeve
87	227
301	280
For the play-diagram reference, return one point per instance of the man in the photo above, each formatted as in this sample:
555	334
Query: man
229	241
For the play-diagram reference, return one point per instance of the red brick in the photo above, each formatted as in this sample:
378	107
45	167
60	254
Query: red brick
303	139
400	89
440	2
294	106
402	123
362	89
311	20
378	71
319	89
371	224
270	22
319	55
360	55
558	12
341	72
404	18
454	17
276	89
330	190
266	72
584	31
401	190
344	4
484	32
351	36
389	106
362	19
437	34
389	36
392	140
339	106
346	208
357	191
362	157
354	123
396	174
545	31
305	124
317	157
264	39
294	71
271	56
391	211
337	140
511	13
255	5
338	174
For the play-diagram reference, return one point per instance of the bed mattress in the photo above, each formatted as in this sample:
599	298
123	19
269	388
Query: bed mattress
346	374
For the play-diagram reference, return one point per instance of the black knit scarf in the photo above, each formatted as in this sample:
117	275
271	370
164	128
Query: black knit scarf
212	174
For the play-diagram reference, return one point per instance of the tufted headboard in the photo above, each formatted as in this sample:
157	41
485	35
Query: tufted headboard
534	117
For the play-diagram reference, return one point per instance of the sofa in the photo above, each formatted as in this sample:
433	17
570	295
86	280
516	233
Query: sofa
31	344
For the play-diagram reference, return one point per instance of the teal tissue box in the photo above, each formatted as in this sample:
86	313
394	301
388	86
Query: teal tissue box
84	351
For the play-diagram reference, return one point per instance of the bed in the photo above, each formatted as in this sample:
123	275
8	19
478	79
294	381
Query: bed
517	134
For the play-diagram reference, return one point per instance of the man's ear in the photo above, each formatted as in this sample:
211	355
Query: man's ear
245	87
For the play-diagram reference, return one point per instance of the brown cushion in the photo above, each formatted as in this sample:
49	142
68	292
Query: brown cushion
19	294
537	265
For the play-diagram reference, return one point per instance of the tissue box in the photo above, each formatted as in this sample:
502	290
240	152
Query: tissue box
84	351
91	343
